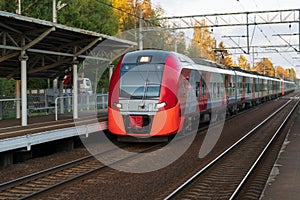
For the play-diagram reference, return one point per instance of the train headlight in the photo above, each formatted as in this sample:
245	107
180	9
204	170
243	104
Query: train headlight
160	105
118	105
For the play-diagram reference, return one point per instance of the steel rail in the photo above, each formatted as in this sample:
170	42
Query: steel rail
263	152
176	191
68	165
8	184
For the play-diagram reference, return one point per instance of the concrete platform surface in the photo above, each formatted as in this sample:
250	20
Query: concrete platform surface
284	182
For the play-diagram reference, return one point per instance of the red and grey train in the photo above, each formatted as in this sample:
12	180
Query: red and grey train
152	92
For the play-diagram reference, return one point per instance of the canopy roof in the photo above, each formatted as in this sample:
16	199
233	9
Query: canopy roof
51	48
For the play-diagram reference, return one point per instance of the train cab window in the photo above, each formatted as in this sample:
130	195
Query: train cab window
141	81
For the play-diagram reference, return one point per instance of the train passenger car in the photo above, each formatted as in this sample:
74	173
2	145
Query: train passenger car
287	86
153	93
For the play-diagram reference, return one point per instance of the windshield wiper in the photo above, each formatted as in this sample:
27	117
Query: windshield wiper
146	88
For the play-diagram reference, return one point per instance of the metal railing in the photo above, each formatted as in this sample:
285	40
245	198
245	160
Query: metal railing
86	102
38	104
9	105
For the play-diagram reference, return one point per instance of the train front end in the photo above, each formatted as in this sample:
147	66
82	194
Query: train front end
142	97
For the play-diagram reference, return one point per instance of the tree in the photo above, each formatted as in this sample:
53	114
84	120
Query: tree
8	5
224	57
94	15
203	44
290	74
265	66
7	87
243	63
293	74
128	13
279	72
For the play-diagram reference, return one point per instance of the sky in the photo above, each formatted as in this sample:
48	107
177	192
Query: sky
262	35
194	7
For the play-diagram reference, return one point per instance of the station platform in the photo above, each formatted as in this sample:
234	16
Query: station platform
284	182
42	129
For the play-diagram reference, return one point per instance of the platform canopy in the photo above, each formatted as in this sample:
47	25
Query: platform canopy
50	48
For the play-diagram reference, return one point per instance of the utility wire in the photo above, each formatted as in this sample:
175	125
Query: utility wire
124	11
266	35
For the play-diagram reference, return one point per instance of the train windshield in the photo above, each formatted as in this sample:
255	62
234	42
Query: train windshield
141	81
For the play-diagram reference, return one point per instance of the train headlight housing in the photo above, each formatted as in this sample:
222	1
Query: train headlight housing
118	105
160	105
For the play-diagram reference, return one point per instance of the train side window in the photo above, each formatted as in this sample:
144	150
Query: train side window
211	90
228	84
198	89
203	83
194	82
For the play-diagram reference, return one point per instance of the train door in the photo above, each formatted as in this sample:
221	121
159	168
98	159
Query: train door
244	88
239	89
227	80
183	89
261	85
193	92
203	91
254	88
282	88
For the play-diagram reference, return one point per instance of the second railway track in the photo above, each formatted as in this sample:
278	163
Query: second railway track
225	176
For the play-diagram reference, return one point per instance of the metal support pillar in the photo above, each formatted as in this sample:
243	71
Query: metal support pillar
23	58
75	89
61	94
18	102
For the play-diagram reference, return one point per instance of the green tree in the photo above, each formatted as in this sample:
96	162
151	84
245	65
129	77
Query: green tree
9	6
7	87
94	15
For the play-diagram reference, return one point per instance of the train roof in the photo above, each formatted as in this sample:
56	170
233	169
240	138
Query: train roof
156	56
204	61
212	69
159	56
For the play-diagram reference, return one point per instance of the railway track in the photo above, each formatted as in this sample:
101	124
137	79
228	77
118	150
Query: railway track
40	182
226	175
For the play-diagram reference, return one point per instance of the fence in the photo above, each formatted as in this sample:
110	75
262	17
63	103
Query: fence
85	102
8	108
40	104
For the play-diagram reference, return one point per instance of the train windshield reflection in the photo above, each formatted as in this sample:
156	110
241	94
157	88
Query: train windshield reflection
141	81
